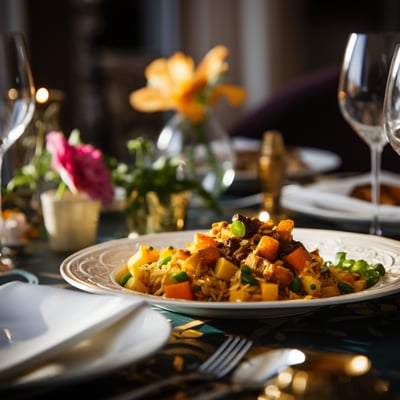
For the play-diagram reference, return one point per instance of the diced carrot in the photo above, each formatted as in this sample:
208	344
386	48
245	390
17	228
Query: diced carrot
202	240
285	228
209	255
298	259
268	248
181	290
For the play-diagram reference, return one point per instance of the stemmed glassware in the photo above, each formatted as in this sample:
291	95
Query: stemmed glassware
17	97
391	107
361	93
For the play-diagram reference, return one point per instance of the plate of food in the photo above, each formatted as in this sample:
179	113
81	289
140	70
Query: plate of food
302	162
246	270
346	199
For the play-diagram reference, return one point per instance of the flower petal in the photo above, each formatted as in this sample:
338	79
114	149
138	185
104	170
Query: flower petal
158	75
213	63
181	68
235	94
150	100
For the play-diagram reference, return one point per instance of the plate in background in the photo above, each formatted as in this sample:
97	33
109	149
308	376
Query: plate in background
303	162
329	200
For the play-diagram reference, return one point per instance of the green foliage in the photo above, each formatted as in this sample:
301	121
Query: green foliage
165	176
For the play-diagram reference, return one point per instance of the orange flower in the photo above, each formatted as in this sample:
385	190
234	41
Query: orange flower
175	84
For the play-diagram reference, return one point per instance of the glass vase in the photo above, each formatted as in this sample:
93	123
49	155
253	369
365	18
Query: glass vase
205	147
156	217
71	222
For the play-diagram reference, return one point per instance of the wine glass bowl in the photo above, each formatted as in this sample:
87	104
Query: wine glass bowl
17	97
391	109
361	93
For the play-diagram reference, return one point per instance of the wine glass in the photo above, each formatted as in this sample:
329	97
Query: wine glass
361	93
391	105
17	99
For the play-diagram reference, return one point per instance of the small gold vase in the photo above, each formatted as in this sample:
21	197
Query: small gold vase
159	217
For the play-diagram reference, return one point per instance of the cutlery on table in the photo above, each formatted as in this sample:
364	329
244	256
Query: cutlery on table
254	372
218	365
291	373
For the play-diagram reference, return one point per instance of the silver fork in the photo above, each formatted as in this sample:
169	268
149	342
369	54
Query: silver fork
218	365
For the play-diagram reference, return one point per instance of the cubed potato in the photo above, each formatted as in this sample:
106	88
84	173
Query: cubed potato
238	295
311	285
192	263
269	291
330	291
144	255
225	269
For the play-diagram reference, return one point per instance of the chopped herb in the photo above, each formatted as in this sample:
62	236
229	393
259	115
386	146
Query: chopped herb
125	278
165	261
244	269
180	276
247	276
345	287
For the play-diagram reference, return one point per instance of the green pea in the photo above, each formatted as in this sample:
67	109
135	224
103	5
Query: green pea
238	228
180	276
296	286
125	278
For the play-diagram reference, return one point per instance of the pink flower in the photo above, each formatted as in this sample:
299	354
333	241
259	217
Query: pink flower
80	167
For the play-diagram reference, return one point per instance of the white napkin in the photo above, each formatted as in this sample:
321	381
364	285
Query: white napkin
38	322
335	201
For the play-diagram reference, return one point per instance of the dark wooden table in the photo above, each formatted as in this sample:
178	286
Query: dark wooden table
370	328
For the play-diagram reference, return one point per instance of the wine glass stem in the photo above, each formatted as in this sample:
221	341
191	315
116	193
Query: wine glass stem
1	188
376	153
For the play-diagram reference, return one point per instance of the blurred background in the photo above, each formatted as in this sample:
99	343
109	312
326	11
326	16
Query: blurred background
95	52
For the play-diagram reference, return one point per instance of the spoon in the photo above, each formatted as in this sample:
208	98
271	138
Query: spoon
254	372
313	375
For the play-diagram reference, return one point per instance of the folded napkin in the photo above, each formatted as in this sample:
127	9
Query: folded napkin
38	322
335	201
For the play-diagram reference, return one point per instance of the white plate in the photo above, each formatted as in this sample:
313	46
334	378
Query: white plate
329	200
92	270
58	335
316	161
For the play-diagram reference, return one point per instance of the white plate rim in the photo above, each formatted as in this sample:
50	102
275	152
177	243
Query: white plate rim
58	332
388	253
317	160
291	201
